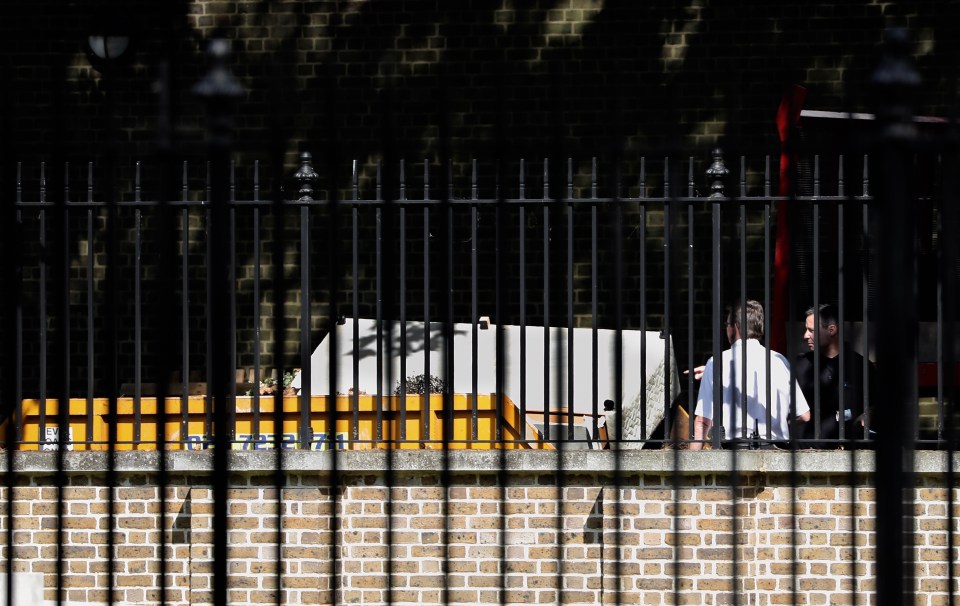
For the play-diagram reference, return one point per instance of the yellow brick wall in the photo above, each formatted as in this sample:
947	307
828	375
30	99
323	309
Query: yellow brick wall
473	541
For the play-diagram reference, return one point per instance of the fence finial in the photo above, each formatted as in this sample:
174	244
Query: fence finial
306	176
717	173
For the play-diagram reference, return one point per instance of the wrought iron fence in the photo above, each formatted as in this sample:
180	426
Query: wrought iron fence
508	319
556	314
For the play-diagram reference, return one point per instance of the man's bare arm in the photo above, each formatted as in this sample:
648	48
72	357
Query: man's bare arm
701	426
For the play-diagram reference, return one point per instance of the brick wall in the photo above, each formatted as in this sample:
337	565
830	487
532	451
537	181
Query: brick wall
362	78
575	537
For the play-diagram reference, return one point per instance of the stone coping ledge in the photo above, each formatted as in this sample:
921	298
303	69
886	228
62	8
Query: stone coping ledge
476	461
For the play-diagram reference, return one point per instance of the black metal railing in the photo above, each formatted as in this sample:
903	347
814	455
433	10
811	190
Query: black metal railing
556	275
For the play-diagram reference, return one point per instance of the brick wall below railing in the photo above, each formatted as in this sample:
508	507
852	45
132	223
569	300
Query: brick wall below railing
532	534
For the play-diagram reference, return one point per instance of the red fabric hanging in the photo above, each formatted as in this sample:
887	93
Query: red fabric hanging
788	115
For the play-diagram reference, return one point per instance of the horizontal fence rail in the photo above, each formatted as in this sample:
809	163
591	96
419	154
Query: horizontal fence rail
525	310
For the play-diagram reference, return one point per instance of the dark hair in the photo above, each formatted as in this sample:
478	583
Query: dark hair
754	319
828	314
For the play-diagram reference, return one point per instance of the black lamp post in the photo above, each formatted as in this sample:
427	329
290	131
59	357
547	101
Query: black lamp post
219	89
109	46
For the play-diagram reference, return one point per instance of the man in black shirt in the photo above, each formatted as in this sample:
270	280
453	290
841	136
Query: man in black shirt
851	417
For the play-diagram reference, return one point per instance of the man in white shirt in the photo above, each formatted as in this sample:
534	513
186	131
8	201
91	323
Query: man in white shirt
766	422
